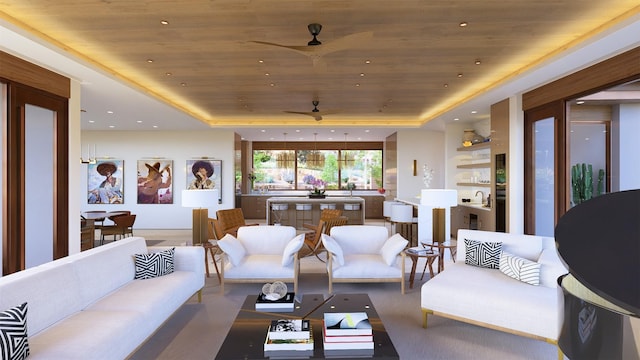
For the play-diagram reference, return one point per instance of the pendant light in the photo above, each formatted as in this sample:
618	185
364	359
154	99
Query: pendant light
285	159
315	159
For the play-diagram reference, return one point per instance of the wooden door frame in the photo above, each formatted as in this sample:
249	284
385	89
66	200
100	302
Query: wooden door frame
13	237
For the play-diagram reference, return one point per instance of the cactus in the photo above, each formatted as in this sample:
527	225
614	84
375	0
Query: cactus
600	190
582	182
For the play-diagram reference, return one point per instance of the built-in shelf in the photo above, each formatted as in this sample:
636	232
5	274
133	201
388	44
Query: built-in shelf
474	184
483	145
475	166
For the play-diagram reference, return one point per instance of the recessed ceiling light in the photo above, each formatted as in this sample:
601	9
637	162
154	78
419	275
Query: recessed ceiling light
109	112
139	121
330	138
261	61
445	85
367	61
266	74
474	112
456	119
111	126
183	84
357	85
477	62
149	61
91	121
463	24
367	130
168	74
164	22
272	84
333	131
459	75
580	102
263	130
155	126
297	130
361	74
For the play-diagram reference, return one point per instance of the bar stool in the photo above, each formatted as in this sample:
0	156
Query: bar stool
303	215
279	212
327	206
352	212
402	216
386	210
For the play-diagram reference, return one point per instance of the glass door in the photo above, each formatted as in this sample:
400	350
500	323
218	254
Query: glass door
543	147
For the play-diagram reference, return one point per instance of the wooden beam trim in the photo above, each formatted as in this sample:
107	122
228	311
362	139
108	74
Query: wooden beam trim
23	72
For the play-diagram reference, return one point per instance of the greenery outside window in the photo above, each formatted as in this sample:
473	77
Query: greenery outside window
325	169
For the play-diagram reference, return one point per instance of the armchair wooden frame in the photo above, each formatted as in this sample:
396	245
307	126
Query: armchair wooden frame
294	279
228	222
313	241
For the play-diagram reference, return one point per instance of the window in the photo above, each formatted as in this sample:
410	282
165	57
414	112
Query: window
305	169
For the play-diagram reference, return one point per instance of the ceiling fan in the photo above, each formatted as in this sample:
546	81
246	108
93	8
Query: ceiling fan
315	49
315	113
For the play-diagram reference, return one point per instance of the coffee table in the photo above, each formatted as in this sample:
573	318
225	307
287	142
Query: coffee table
247	334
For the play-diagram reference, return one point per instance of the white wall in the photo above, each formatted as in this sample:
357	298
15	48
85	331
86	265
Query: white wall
625	127
178	146
426	148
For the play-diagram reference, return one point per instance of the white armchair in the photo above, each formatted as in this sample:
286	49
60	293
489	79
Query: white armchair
261	254
364	253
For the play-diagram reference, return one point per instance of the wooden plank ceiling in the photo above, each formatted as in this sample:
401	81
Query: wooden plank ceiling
384	63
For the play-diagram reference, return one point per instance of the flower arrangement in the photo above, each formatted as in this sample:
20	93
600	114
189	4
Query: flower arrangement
427	176
318	185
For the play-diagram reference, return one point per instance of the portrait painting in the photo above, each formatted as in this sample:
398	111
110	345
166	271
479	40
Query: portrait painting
154	181
105	182
204	174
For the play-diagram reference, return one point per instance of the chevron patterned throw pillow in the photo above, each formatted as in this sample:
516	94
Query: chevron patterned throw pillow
520	269
154	264
482	254
13	333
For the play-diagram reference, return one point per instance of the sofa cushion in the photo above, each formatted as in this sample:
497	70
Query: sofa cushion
392	248
360	239
551	267
291	249
520	269
526	246
483	254
260	267
269	240
365	266
13	333
233	248
155	264
334	248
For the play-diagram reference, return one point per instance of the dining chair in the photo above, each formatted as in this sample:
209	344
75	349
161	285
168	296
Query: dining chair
211	247
123	225
229	220
314	244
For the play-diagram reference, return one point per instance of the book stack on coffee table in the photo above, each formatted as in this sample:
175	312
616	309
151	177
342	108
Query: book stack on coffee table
289	337
347	333
284	304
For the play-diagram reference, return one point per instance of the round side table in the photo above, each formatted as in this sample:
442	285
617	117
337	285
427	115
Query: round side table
430	257
452	245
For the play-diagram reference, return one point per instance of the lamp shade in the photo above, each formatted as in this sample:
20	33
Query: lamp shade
439	198
199	198
402	213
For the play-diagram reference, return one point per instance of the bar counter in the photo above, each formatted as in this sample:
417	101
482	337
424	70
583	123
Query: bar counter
297	210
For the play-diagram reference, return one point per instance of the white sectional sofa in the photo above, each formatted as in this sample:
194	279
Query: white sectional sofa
364	253
489	298
88	305
261	254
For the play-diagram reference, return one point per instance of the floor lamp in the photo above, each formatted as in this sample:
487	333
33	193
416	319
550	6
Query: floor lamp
439	200
200	201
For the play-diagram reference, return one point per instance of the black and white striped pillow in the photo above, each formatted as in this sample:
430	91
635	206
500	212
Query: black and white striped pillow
482	254
156	264
13	333
520	269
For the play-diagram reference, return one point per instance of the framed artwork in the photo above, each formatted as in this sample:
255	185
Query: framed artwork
154	181
205	174
105	181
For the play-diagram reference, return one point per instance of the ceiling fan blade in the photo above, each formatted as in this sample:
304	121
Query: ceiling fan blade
315	115
301	49
343	43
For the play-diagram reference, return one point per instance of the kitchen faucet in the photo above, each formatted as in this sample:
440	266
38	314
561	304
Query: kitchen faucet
482	193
